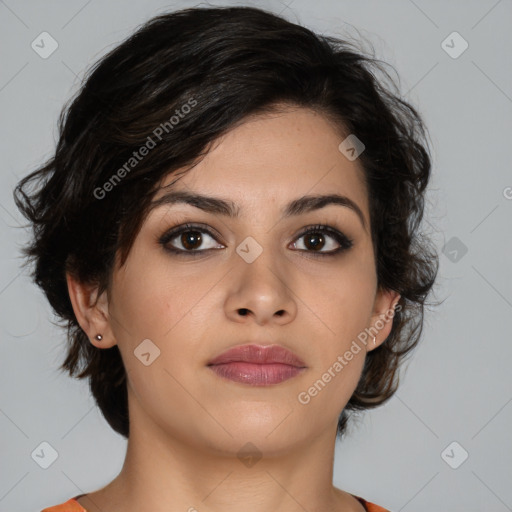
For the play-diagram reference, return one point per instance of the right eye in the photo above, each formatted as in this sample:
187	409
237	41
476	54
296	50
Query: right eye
190	237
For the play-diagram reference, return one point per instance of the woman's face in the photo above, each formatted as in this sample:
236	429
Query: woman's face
298	291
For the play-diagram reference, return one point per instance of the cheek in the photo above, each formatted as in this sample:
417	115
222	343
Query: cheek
149	299
341	304
153	301
342	311
154	304
328	390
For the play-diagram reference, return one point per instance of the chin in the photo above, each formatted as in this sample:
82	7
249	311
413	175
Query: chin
268	440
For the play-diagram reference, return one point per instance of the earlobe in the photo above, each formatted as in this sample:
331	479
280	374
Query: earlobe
91	311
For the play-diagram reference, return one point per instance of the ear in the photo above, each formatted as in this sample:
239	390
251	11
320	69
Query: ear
91	311
382	317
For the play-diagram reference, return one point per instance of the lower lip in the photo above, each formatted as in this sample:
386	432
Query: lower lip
256	374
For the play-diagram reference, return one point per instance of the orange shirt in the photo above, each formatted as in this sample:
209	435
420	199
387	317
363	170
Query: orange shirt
73	506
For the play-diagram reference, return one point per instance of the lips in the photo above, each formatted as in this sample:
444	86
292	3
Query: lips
259	354
257	365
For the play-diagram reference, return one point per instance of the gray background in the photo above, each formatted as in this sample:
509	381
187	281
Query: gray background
456	387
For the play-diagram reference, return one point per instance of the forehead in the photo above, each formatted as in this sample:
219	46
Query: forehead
274	158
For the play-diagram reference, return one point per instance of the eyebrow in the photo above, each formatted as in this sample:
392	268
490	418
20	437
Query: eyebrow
227	208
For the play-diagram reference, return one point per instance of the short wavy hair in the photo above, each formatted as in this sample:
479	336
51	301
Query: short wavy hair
229	63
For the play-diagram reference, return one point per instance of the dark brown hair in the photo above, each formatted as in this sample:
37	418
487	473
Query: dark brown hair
224	64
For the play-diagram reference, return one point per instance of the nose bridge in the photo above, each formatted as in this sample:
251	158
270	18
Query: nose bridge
260	262
261	276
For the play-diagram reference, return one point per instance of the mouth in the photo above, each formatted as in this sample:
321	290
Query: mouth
257	365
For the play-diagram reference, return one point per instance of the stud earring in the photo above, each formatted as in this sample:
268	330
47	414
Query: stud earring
374	340
99	337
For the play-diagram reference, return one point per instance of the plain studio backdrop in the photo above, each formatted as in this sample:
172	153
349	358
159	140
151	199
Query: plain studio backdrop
443	442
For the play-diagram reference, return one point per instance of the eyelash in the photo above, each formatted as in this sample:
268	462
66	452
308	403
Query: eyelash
345	242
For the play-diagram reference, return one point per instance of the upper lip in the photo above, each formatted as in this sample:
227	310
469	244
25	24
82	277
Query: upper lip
259	354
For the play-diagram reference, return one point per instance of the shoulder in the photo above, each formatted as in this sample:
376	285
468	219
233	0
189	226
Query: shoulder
69	506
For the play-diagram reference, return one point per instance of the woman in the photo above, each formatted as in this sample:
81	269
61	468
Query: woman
229	231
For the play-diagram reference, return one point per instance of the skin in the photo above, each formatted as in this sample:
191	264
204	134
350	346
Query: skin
186	423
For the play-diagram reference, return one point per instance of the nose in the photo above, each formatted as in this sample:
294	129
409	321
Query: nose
260	291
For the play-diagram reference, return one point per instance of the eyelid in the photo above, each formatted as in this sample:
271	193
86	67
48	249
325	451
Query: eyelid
188	226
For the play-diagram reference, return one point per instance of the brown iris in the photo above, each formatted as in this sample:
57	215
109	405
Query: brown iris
191	239
318	240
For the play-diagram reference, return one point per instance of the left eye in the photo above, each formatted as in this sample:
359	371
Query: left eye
317	237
